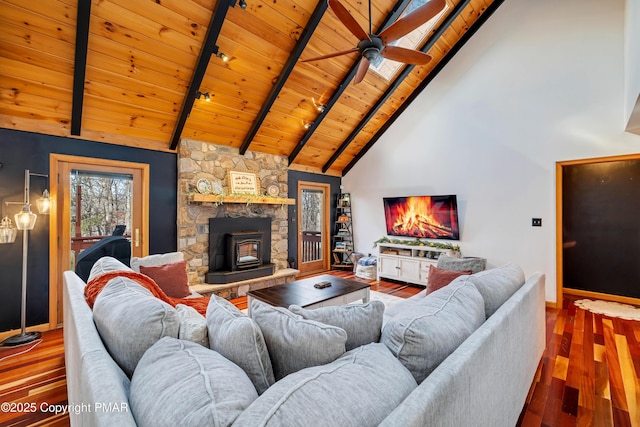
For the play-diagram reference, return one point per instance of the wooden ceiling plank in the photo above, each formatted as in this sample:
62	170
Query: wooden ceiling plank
391	17
463	40
208	48
314	20
396	83
80	64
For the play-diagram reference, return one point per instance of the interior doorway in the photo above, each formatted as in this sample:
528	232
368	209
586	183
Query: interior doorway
313	227
93	198
597	229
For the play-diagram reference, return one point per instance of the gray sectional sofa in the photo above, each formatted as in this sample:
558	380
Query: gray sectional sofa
464	355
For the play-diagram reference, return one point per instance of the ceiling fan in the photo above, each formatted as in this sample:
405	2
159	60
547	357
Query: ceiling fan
372	46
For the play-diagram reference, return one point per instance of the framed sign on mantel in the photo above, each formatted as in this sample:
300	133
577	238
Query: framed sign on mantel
242	182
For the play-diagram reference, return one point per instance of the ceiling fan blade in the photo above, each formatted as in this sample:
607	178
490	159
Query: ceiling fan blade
331	55
349	21
410	22
407	56
363	67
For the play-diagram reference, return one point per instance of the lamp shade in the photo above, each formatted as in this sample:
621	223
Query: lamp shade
7	231
44	203
25	219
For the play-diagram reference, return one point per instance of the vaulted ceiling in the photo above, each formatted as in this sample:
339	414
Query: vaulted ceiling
129	72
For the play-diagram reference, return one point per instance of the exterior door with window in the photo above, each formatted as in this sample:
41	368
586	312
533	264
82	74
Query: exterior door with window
313	223
95	199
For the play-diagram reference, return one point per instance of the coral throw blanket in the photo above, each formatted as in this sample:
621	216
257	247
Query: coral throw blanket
95	286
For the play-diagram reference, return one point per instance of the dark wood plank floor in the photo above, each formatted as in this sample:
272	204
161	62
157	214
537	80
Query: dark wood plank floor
589	374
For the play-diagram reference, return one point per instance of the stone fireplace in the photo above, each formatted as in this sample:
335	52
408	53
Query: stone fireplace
213	162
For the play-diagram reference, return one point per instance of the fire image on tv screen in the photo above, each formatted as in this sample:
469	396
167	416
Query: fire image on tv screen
430	217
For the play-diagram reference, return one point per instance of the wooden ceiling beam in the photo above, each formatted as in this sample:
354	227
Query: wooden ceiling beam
396	83
80	64
209	47
308	31
400	6
439	67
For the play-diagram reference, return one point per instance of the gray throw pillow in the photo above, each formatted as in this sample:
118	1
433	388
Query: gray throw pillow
193	325
447	262
239	339
362	322
130	320
359	389
427	332
497	285
295	343
181	383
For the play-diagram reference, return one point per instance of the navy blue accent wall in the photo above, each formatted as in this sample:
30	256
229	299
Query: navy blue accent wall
24	150
294	178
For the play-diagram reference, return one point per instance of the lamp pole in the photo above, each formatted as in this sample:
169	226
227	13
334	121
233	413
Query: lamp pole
25	221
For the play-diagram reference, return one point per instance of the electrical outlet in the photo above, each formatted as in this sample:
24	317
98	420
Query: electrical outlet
536	222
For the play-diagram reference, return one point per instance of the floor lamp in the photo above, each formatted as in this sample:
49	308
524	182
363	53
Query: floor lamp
25	221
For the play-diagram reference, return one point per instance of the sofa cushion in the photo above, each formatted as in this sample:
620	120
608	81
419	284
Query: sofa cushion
156	259
497	285
439	278
106	264
180	383
295	343
172	278
361	322
427	331
130	320
447	262
193	325
239	339
359	389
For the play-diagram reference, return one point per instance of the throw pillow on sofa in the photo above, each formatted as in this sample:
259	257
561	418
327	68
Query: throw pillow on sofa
171	278
130	320
295	343
430	329
106	264
359	389
497	285
193	325
439	278
447	262
182	383
361	322
239	339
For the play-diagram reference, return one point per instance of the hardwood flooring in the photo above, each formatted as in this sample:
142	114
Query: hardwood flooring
589	374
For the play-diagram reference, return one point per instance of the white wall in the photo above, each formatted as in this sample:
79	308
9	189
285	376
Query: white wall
540	82
632	55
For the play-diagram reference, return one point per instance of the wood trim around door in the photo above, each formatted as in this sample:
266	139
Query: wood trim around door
58	162
559	220
326	225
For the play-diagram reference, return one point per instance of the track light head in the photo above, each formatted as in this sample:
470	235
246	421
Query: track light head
204	95
222	56
243	4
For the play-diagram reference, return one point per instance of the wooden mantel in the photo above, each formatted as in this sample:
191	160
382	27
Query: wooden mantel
218	198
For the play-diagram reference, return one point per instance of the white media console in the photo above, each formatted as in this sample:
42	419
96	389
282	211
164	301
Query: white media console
408	263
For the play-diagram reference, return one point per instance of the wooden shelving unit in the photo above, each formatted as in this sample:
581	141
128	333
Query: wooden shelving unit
217	198
343	234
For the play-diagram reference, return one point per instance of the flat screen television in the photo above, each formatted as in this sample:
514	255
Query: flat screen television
429	217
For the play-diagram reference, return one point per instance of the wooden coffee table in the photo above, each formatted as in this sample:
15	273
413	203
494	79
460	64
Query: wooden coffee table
303	293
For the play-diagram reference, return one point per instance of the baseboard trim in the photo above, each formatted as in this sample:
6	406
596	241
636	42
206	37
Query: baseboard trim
602	296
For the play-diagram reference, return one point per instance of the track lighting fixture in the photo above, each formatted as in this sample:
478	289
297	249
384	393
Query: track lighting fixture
243	4
307	125
222	56
204	95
